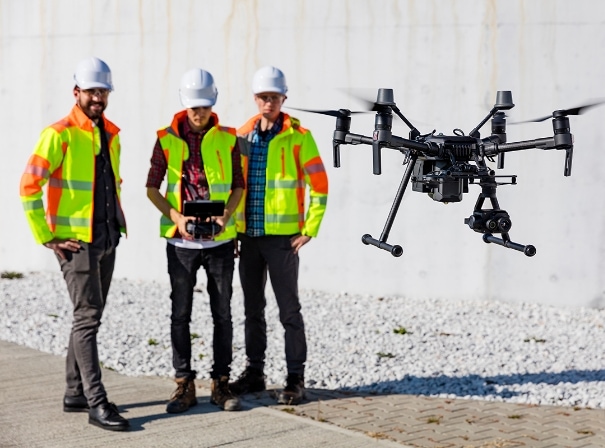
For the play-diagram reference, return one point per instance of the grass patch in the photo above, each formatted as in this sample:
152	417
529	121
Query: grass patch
586	432
385	355
401	330
11	275
534	339
434	419
152	341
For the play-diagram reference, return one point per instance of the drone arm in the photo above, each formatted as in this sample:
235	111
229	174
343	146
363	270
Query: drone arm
540	143
561	141
346	138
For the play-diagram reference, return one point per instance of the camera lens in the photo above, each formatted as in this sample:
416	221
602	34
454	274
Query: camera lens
504	224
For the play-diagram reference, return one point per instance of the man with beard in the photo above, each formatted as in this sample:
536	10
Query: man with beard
79	158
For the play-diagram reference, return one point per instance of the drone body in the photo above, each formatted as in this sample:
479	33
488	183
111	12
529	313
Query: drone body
443	166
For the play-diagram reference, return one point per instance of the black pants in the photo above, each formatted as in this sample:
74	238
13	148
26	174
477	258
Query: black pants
183	264
273	254
88	275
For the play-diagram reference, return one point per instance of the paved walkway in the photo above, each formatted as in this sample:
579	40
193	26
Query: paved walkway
31	388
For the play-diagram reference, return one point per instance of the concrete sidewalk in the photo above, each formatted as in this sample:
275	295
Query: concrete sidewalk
32	385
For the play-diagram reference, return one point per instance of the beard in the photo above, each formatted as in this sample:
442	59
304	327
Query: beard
93	109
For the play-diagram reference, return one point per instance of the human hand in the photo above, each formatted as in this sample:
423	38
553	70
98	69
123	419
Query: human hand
58	245
299	241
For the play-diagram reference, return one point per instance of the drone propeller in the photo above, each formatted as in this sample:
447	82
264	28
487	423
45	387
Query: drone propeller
329	112
573	111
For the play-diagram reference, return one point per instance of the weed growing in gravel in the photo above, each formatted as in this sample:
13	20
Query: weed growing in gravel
152	341
11	275
535	339
401	330
385	355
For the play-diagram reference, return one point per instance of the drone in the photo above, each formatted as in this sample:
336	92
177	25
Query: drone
443	166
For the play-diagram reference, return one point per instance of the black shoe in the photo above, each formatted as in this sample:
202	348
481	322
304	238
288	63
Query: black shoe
294	392
251	380
106	416
78	403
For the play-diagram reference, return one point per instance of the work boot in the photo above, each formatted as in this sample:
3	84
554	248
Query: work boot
221	395
294	392
183	397
251	380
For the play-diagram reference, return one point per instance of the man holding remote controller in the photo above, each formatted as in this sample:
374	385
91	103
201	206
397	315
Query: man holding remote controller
201	161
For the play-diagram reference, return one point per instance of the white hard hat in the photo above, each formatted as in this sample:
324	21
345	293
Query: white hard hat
93	73
197	89
269	79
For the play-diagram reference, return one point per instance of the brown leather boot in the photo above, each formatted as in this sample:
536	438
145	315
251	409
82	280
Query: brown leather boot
183	397
222	396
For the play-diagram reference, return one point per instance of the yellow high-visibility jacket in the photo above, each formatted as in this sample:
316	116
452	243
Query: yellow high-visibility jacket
293	162
65	158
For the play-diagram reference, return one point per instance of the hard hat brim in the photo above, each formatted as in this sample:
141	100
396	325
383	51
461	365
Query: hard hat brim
94	85
270	90
193	103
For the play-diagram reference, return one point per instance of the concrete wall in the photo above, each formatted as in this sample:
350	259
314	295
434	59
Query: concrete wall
444	59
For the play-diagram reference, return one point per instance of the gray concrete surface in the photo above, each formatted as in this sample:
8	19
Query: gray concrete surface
31	389
31	415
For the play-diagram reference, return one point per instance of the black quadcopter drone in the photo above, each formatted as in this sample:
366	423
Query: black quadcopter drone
443	166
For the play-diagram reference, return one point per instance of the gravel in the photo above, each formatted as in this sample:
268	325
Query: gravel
481	350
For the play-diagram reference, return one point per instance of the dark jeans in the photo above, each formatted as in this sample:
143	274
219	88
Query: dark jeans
183	264
88	275
273	254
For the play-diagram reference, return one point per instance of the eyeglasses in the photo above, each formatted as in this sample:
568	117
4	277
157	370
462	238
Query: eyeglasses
100	93
272	98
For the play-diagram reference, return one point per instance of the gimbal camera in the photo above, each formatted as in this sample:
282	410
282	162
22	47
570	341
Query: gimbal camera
443	166
202	211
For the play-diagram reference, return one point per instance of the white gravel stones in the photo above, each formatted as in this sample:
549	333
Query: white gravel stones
521	353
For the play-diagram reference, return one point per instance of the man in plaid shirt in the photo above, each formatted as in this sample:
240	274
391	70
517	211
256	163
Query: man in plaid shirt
274	221
201	161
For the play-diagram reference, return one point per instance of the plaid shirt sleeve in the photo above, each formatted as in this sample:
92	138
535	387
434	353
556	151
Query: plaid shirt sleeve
236	163
157	170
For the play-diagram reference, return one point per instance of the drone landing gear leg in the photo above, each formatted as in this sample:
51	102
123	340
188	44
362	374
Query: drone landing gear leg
505	241
395	250
495	220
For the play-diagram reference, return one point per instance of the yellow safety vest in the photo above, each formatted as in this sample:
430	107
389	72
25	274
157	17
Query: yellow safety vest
216	148
65	158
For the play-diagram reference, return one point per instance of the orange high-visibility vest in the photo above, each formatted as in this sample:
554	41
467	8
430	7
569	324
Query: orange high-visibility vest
65	158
